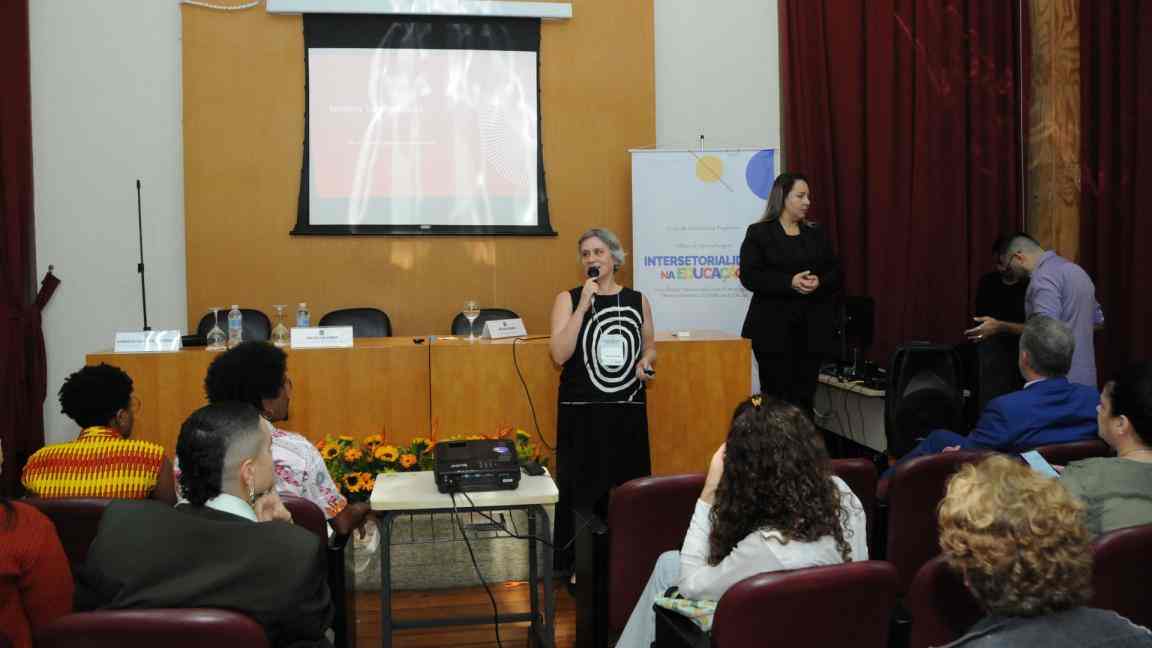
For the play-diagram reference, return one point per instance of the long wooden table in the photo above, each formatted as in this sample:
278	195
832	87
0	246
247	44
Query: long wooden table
447	386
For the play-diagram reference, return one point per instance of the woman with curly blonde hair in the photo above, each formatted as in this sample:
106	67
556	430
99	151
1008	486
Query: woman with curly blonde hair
770	502
1018	539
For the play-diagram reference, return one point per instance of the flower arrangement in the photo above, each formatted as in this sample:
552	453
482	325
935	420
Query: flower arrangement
354	464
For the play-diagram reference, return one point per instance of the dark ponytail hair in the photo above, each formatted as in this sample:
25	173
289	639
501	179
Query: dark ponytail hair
1131	391
205	438
780	190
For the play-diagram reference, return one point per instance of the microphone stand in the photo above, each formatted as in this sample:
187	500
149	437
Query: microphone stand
140	266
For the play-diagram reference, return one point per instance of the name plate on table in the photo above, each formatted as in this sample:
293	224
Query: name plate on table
504	328
146	341
322	337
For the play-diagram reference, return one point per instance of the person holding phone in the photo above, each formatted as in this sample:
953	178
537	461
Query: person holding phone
604	338
789	265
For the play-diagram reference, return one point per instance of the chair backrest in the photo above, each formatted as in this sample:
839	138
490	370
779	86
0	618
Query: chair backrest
646	517
365	322
1062	453
460	323
77	522
860	475
915	489
941	607
257	327
1122	571
306	515
833	605
170	628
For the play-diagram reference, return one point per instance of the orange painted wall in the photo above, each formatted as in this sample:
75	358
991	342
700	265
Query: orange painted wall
243	85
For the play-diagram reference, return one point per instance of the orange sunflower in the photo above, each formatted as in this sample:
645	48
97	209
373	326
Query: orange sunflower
367	482
386	453
373	440
352	455
408	460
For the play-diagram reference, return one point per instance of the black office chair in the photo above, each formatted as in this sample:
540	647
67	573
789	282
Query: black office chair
257	326
365	322
460	323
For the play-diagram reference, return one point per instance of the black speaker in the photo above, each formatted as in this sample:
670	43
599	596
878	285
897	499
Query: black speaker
923	394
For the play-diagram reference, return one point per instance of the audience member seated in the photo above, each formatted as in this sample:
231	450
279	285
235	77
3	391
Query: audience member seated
35	582
1117	491
230	546
257	373
1019	541
1048	410
770	502
104	461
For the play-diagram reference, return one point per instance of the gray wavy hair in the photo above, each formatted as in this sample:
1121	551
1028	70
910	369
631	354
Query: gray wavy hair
610	239
1049	344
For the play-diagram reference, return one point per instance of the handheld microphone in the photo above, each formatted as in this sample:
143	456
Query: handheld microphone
593	272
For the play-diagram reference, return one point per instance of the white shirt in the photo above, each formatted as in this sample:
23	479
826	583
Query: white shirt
226	503
763	550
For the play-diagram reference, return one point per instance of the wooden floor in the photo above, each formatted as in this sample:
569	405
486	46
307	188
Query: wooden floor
472	601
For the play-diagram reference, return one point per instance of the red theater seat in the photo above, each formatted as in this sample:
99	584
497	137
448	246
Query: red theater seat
941	607
1122	572
168	628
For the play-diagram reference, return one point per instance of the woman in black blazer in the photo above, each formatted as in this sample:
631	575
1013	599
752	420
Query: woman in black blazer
788	264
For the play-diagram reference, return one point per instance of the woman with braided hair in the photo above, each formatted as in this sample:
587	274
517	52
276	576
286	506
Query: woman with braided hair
770	503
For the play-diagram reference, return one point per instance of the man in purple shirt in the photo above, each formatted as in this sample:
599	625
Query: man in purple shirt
1059	289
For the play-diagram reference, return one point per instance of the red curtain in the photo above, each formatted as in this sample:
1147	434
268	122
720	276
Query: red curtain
22	362
1116	189
907	117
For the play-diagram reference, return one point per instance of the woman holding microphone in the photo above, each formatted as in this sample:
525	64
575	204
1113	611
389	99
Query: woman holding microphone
603	337
788	264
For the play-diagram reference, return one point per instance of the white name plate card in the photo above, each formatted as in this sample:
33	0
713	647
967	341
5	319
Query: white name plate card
322	337
504	328
147	341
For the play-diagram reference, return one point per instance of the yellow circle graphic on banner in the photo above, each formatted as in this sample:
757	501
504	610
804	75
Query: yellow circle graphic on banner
709	168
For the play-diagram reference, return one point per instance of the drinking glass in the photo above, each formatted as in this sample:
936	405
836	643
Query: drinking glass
471	312
217	341
280	335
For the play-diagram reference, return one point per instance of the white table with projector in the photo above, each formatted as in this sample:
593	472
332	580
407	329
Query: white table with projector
398	494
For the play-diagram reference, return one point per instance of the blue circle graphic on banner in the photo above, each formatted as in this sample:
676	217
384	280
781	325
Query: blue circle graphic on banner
761	173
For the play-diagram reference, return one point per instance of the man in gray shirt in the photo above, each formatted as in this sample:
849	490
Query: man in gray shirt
1059	289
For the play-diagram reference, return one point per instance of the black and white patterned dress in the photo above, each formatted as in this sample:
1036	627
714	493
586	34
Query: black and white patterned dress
602	418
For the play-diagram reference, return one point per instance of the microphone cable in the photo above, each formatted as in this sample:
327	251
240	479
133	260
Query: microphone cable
527	393
476	565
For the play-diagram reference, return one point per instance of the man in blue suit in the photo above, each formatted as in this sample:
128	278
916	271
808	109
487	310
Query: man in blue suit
1048	410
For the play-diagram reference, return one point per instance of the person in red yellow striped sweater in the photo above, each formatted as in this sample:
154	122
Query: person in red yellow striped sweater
104	461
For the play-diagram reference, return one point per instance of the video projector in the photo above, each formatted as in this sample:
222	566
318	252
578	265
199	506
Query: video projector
476	465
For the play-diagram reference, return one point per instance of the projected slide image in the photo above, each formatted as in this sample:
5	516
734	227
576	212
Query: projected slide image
422	137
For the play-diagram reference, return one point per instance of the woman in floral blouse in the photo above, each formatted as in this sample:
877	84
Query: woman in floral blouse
257	373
